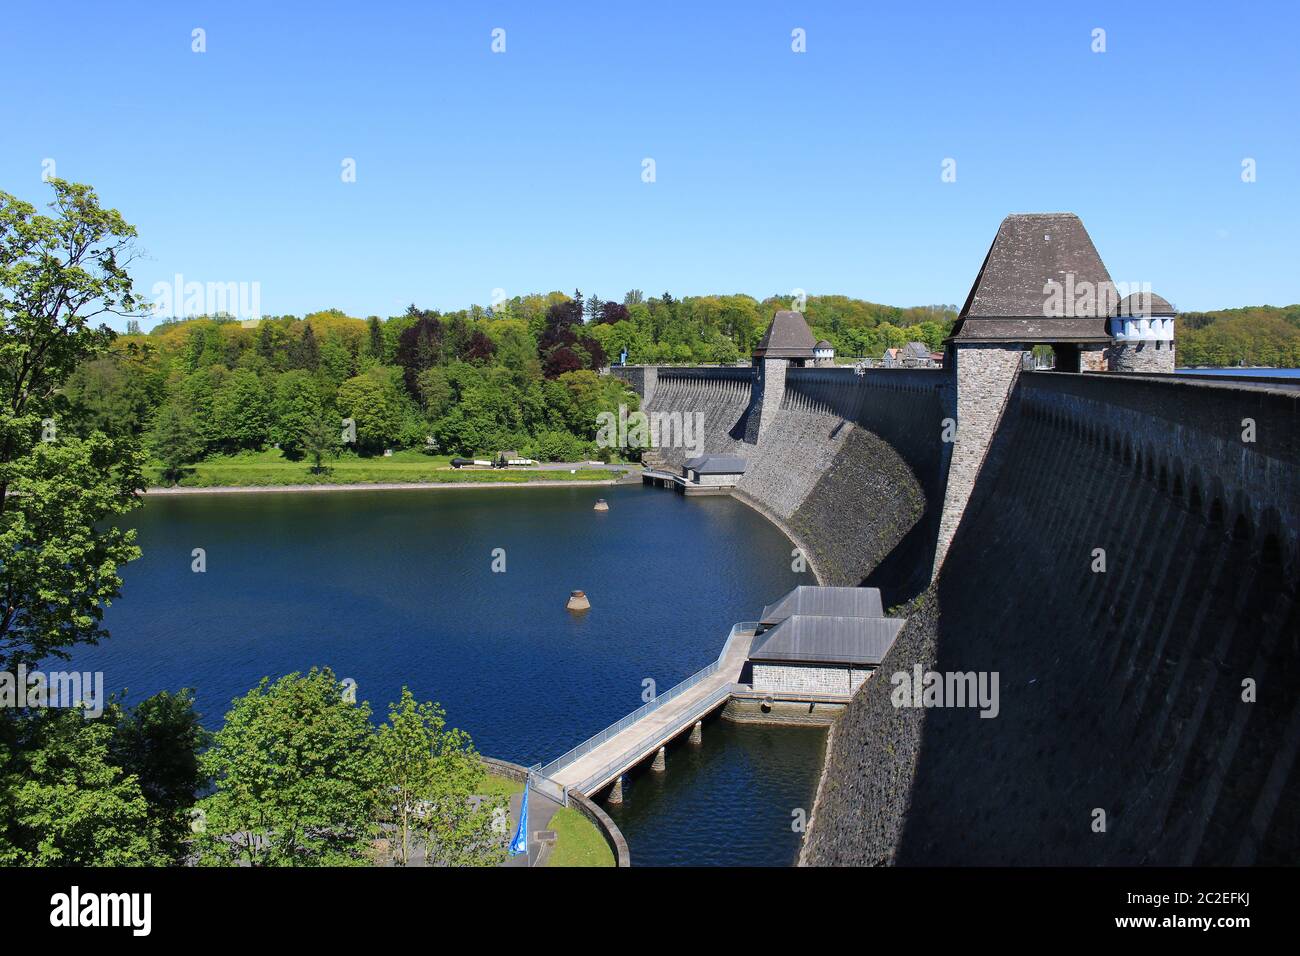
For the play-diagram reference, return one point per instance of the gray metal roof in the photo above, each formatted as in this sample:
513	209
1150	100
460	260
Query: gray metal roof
1007	300
825	602
823	344
787	336
827	640
717	465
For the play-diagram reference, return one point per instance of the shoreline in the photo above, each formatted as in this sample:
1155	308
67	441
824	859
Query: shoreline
375	486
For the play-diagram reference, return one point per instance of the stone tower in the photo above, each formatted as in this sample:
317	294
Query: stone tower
787	341
1142	334
1042	283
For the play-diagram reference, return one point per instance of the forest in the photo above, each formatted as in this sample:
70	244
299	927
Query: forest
522	375
1255	335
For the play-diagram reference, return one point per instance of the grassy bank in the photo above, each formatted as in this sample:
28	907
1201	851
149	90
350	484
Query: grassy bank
577	841
271	468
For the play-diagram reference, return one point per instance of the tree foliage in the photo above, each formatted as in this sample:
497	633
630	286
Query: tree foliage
432	777
295	777
58	490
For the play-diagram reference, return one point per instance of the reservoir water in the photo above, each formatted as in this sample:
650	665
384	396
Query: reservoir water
397	587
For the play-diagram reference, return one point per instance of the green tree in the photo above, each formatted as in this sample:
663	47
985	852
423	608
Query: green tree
376	402
66	802
158	742
56	491
375	335
436	394
296	406
320	438
295	776
432	775
241	411
174	441
109	395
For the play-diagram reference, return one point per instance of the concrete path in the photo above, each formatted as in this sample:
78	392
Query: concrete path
631	745
540	810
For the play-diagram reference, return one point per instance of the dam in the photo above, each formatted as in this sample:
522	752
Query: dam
1116	543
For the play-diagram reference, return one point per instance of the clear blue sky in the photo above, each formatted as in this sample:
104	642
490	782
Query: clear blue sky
775	170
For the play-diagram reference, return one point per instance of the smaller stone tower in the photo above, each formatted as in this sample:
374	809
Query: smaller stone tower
1142	334
787	342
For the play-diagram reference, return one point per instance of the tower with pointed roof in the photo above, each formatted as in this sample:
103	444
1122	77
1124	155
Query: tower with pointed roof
787	341
1041	283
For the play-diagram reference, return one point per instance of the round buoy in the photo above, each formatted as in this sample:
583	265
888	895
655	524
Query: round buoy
601	505
578	601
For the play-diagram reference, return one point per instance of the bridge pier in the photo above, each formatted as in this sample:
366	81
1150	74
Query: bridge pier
616	791
697	732
660	762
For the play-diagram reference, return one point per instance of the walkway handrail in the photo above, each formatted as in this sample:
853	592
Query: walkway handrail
645	743
591	743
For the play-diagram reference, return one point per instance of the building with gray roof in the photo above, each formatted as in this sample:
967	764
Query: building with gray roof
813	639
712	474
824	602
818	642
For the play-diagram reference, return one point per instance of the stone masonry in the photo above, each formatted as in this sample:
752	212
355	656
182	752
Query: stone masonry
985	375
769	390
1149	356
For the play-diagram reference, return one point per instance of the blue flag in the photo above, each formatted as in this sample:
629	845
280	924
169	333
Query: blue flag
520	843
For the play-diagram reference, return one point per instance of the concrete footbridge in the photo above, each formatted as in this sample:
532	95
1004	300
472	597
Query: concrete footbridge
812	649
604	758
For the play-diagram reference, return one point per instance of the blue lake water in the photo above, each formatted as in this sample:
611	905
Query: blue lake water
396	587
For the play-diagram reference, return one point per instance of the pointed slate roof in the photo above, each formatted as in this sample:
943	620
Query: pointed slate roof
1008	301
788	336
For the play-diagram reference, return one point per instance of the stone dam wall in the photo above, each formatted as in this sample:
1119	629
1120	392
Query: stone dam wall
1120	692
1122	734
849	465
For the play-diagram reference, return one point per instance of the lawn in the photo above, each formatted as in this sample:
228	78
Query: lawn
270	467
497	786
577	841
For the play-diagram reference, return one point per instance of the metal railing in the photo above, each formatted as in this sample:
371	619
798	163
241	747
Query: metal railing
650	741
591	743
548	787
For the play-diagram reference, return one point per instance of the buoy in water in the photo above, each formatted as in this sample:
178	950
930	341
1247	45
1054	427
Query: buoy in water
601	505
578	601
